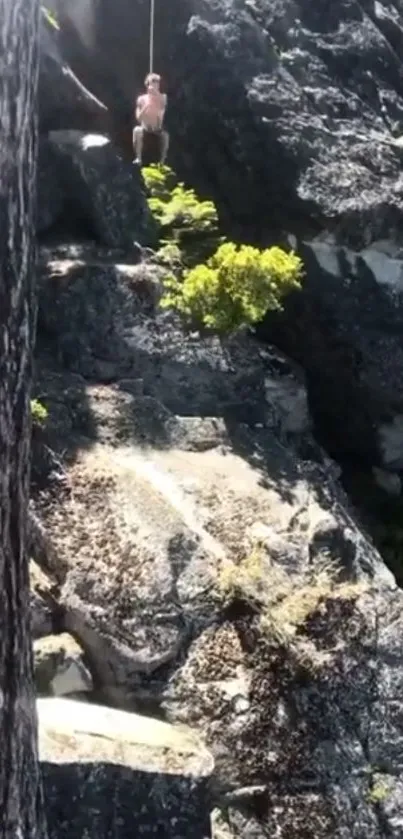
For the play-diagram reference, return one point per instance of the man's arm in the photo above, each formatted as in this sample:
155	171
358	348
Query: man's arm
164	102
140	107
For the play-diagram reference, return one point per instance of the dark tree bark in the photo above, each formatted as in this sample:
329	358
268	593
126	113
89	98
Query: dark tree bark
20	789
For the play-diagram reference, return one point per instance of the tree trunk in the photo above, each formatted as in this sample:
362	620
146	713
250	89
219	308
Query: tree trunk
20	789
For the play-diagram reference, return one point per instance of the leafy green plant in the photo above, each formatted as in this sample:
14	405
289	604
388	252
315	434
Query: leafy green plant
176	208
160	181
170	255
236	287
39	413
284	601
186	210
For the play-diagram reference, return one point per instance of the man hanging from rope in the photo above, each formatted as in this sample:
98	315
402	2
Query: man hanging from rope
150	112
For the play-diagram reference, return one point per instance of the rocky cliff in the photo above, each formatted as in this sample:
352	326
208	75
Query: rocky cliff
195	558
300	110
297	106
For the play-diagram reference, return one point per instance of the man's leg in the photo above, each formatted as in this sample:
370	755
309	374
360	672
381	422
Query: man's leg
138	135
164	146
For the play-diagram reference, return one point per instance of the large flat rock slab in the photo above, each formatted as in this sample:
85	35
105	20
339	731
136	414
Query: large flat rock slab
110	773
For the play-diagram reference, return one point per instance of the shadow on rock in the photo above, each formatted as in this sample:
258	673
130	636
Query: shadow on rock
69	426
149	381
345	328
123	801
109	773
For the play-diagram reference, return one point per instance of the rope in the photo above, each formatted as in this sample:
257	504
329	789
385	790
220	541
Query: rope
152	19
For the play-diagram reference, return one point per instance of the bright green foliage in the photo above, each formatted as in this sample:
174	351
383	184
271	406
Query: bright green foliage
236	287
175	207
38	412
170	255
160	181
185	210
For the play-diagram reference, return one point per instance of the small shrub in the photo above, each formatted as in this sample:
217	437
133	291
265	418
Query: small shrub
187	211
160	181
170	255
284	601
176	208
236	287
244	580
39	413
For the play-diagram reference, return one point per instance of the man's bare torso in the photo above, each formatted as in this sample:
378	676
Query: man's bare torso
151	109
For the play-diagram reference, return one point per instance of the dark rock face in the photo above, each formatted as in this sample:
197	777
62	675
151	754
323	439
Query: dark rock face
306	751
86	187
346	329
110	774
50	199
64	102
115	802
293	105
101	354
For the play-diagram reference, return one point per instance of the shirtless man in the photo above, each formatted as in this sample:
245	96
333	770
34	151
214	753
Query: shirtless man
150	111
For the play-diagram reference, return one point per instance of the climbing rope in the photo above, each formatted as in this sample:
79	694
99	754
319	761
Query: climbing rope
152	19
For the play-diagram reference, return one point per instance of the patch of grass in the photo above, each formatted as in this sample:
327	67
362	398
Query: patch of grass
284	601
235	288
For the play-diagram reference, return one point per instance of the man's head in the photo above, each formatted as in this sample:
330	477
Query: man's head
152	81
